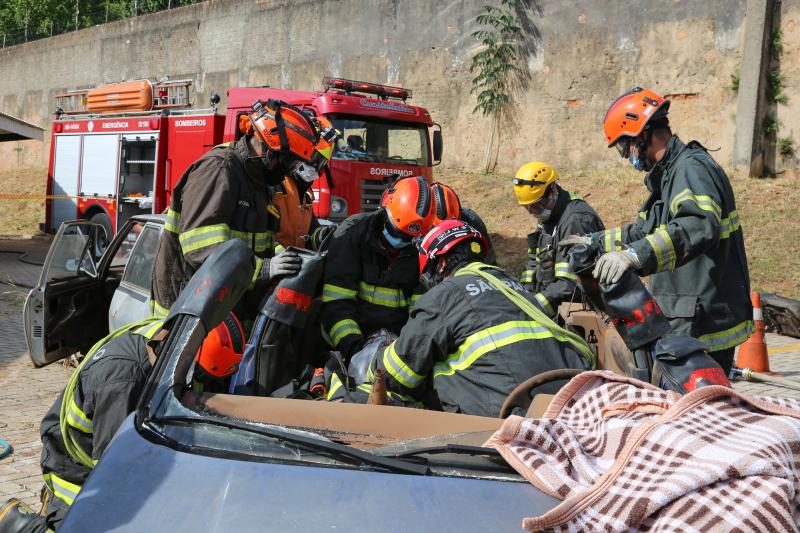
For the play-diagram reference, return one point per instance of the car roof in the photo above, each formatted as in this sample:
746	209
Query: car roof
158	219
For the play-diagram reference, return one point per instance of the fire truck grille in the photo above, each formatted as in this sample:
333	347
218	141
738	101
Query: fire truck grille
371	192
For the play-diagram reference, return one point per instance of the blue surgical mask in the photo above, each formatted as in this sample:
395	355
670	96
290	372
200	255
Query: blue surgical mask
636	162
395	242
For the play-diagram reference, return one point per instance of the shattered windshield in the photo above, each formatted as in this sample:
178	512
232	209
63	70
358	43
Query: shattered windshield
381	141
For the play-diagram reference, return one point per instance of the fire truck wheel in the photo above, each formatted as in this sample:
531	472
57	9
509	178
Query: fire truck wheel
102	242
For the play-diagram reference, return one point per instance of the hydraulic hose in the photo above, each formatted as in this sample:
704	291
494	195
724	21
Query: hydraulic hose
748	374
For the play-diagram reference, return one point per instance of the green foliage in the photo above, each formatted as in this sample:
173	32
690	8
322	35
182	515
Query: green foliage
775	87
770	126
776	43
734	86
494	67
785	147
26	20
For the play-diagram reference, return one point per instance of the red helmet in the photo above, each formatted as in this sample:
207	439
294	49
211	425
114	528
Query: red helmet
446	205
222	348
407	203
289	130
630	113
442	238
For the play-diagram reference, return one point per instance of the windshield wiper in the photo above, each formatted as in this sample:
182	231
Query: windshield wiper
338	451
455	449
492	460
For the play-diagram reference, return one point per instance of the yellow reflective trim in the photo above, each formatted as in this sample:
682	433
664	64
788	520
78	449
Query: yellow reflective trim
729	224
662	245
706	203
563	271
334	292
204	236
399	370
336	384
172	220
610	239
385	296
279	248
542	299
342	329
479	344
148	330
728	338
257	271
643	215
61	488
526	276
77	418
157	310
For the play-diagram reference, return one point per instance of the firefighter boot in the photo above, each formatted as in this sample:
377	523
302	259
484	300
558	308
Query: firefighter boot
16	517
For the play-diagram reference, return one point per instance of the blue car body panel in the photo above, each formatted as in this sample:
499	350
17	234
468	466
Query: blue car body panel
144	487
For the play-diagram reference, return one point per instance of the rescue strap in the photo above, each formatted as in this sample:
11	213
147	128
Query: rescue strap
532	311
70	415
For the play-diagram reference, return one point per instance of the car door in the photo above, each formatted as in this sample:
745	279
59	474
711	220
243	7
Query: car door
131	301
60	313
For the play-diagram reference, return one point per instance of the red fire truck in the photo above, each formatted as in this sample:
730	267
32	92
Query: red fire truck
118	150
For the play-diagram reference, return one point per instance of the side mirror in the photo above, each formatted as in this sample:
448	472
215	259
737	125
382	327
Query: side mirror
437	144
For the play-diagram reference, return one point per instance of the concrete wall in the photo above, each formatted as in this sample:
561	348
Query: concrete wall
583	53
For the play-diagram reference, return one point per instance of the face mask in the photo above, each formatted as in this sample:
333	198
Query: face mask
256	165
395	242
636	163
303	171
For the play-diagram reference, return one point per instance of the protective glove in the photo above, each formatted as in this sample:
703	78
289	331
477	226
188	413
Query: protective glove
571	240
351	345
286	263
612	265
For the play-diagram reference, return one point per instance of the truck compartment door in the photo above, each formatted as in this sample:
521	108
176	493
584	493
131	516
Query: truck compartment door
65	179
64	313
99	165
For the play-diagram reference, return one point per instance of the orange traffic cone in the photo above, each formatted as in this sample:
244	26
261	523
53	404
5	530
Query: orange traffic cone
753	352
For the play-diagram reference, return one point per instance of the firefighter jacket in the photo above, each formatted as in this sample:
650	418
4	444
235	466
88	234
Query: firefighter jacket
547	273
473	344
216	199
689	241
471	217
365	288
293	210
102	392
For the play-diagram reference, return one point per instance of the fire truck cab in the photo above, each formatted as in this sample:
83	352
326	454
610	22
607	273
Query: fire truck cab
118	150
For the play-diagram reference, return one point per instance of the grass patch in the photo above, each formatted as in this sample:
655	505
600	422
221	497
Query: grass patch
766	209
22	217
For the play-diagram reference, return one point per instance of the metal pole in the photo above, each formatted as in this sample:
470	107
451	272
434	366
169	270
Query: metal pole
106	13
135	8
77	10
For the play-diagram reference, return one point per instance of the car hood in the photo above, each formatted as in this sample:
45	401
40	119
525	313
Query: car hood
141	486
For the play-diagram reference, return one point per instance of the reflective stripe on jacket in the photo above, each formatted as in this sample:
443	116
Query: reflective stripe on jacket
689	239
101	392
216	200
547	273
474	345
365	289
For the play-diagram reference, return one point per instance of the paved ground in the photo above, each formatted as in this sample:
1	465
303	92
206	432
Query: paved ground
27	393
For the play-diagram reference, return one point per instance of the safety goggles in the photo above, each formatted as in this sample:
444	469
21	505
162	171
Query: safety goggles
529	183
623	146
539	206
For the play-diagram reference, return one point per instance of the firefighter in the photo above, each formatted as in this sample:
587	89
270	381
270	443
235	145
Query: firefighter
225	194
101	393
687	236
558	213
476	333
371	274
447	206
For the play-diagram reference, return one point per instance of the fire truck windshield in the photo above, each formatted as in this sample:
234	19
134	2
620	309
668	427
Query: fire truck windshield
381	141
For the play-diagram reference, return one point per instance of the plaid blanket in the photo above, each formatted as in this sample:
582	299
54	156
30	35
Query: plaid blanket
626	456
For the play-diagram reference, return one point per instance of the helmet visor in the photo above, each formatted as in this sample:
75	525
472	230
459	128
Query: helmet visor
623	146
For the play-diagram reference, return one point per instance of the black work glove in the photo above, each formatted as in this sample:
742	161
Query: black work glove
350	346
286	263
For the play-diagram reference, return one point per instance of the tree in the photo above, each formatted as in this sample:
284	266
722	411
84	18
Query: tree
495	65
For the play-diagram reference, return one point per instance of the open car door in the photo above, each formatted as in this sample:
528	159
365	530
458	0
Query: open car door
64	314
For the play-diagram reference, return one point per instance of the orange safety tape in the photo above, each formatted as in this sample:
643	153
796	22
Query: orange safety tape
49	197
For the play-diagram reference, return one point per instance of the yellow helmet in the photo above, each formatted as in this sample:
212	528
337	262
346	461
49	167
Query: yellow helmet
532	181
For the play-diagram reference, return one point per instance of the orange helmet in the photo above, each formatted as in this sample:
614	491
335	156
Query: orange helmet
407	203
290	131
222	349
632	113
446	205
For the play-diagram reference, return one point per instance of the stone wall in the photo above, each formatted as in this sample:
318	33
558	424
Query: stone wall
582	54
